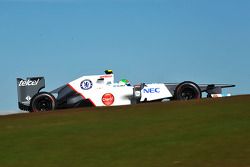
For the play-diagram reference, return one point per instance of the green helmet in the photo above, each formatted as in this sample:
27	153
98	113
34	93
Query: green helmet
124	82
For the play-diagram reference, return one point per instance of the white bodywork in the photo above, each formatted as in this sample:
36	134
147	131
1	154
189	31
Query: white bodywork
103	85
155	92
101	90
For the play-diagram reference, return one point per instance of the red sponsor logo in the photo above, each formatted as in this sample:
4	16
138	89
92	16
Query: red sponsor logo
108	99
106	76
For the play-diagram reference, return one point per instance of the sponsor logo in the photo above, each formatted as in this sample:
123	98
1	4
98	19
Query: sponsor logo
137	93
28	98
106	76
86	84
29	82
151	90
108	99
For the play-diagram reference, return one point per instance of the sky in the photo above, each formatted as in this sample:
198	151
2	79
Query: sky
205	41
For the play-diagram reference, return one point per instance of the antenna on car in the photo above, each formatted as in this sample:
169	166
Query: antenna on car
108	71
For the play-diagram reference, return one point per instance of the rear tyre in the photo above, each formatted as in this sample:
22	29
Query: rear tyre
187	90
43	101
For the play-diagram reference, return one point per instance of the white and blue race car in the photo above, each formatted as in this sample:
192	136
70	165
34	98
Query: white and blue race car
101	90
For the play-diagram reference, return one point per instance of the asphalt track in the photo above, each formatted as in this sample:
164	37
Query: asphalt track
12	112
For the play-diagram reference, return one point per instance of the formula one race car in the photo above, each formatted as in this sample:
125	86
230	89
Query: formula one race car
101	90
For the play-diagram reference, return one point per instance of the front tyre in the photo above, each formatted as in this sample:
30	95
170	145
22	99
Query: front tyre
187	90
43	101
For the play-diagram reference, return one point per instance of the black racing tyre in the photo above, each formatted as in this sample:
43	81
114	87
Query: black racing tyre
43	101
187	90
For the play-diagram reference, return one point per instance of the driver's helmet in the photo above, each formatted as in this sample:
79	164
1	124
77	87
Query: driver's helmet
124	82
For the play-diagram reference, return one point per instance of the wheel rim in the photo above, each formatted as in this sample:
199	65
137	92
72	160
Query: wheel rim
44	104
188	93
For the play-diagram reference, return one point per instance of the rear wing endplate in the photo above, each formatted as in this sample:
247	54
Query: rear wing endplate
27	88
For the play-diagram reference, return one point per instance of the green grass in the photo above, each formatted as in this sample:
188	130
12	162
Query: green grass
203	133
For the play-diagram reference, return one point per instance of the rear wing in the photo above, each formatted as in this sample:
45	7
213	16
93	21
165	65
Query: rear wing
26	89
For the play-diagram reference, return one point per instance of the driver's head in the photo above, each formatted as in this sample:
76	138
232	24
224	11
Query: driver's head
124	82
